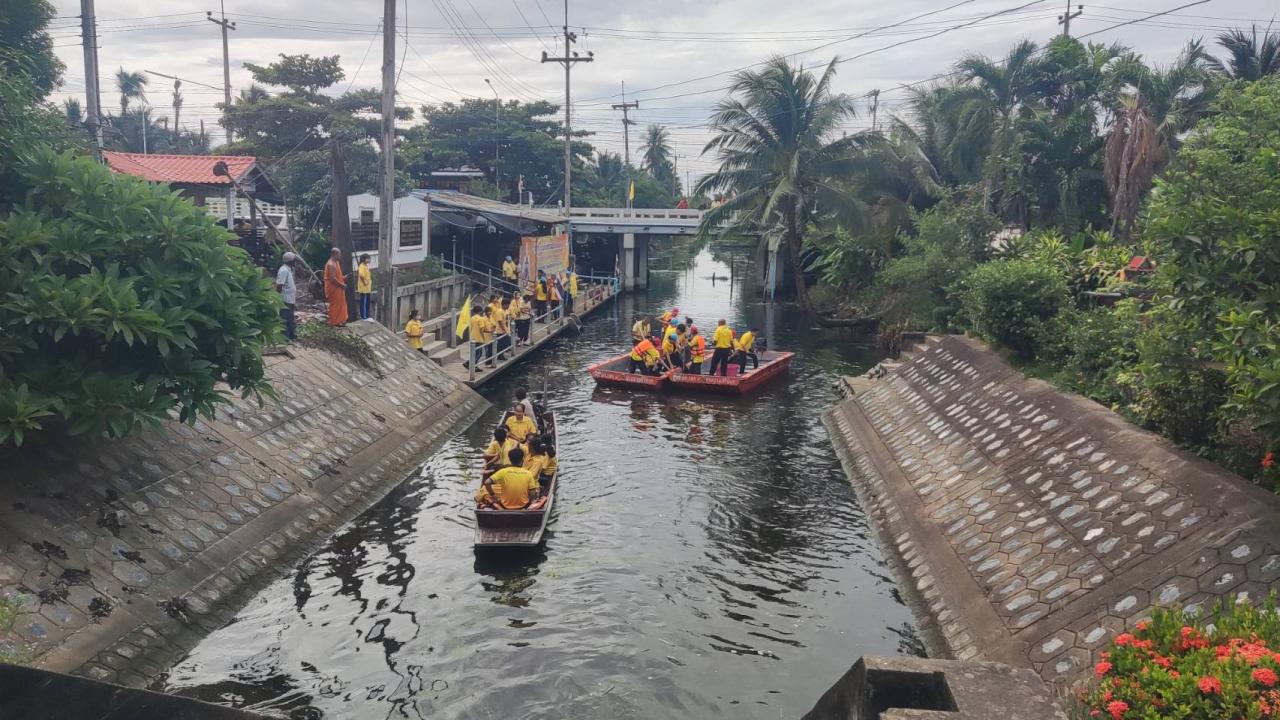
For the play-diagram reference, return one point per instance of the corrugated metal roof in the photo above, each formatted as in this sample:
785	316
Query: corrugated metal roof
462	201
193	169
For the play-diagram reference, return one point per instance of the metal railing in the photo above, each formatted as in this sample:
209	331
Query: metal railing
490	349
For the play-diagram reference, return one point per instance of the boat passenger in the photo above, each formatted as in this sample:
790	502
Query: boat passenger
745	346
644	358
535	456
551	467
688	322
519	425
522	399
722	344
641	330
496	454
671	354
509	488
697	352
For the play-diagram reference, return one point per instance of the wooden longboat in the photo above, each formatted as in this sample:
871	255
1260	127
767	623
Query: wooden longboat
772	364
614	372
520	528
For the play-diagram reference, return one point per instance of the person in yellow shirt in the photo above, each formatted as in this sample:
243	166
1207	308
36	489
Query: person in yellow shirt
509	270
520	426
509	488
552	466
722	344
535	456
644	358
571	290
697	352
496	455
671	353
501	326
481	334
641	330
540	294
745	346
364	286
413	330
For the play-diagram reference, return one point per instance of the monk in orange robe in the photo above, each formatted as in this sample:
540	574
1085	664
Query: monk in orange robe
335	288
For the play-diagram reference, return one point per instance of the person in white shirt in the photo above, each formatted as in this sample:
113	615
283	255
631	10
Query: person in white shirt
288	293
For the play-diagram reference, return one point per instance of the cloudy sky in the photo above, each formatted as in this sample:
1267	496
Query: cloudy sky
675	57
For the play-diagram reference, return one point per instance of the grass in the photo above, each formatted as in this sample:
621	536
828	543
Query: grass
12	652
339	341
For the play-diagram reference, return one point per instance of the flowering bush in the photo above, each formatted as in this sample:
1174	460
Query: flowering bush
1176	665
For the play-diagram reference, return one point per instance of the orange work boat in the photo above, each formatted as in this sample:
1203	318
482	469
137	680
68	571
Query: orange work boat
772	364
614	371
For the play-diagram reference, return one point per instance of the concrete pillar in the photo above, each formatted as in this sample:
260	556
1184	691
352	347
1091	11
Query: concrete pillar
628	261
642	263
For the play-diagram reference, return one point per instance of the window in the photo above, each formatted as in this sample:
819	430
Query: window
366	216
364	235
410	233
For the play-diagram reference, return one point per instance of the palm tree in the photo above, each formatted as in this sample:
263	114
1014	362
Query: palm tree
656	153
1156	106
1247	57
253	93
132	86
71	107
782	159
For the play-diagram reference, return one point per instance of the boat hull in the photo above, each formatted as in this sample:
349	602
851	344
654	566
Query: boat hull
772	364
614	372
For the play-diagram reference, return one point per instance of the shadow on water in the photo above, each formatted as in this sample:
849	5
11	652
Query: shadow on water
706	557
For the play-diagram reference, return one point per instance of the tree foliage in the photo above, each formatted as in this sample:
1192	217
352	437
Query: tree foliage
119	302
28	49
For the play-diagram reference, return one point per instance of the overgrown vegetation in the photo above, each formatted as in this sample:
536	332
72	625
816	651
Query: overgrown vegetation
11	651
340	341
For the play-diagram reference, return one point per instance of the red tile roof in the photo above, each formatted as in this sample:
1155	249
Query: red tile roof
193	169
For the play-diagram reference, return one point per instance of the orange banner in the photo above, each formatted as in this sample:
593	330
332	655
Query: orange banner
549	253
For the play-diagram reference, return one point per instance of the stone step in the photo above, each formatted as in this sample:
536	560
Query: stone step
446	355
431	346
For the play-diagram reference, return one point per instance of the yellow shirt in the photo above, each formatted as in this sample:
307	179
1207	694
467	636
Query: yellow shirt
481	329
640	329
513	486
723	338
747	341
536	464
573	285
668	347
501	452
520	429
498	317
509	270
540	292
670	333
364	279
551	467
413	331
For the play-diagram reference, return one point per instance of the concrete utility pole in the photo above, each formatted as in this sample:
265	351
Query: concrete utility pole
226	97
341	221
1065	19
387	197
568	60
627	122
497	173
875	107
89	38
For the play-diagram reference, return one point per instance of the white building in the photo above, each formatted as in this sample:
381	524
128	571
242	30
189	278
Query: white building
410	234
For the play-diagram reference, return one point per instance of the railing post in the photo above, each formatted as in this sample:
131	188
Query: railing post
471	358
452	337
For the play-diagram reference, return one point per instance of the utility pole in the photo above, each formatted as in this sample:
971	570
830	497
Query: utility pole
89	38
177	106
497	172
226	97
568	60
387	198
875	107
1065	19
627	122
341	221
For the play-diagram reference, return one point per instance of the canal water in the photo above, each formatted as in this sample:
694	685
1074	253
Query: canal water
707	558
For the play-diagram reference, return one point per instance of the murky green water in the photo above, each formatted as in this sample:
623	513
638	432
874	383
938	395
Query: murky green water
707	558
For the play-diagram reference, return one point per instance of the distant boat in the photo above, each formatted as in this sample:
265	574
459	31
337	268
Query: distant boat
519	528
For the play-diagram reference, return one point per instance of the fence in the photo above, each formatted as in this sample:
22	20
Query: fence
431	297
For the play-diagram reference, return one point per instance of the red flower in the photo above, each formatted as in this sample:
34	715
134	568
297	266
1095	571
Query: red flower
1268	460
1102	668
1124	639
1265	676
1209	685
1160	660
1117	708
1142	625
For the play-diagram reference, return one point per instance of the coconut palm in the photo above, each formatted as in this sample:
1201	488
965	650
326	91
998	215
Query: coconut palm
782	161
1248	57
132	86
1156	106
75	115
656	156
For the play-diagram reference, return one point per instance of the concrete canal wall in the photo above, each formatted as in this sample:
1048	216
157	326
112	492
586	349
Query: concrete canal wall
1030	525
124	553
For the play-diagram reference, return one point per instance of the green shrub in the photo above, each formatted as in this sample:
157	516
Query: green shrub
1009	302
120	301
1085	350
1225	664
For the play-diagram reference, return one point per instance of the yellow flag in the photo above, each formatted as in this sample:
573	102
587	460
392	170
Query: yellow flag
464	318
631	194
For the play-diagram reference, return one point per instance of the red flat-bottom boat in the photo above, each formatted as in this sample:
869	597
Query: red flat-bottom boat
615	372
772	364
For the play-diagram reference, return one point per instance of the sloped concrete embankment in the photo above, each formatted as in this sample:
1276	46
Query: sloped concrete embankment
126	552
1032	525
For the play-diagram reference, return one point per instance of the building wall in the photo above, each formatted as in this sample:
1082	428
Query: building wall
409	212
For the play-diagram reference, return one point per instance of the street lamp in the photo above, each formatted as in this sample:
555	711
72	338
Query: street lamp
497	104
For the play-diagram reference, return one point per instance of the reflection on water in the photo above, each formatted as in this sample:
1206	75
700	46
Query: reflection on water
706	558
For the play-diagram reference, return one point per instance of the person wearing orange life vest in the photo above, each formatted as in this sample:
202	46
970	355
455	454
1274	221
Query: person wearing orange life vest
745	347
644	358
697	352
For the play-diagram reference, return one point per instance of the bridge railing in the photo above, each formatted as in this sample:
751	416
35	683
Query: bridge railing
683	215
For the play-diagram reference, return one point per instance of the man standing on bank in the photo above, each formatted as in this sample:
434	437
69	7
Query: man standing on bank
722	342
289	294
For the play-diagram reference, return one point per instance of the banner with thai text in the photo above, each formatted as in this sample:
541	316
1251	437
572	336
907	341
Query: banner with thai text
548	253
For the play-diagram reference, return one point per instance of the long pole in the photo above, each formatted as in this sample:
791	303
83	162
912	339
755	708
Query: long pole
568	60
1065	19
89	38
387	198
627	122
225	25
